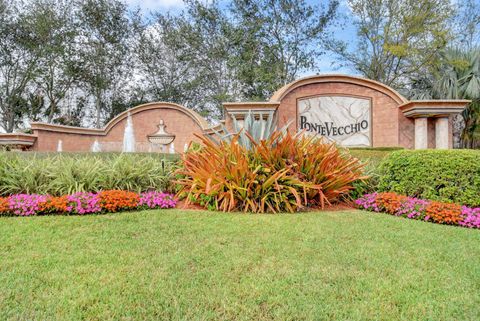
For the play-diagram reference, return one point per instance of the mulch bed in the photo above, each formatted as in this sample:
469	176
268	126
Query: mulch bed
331	208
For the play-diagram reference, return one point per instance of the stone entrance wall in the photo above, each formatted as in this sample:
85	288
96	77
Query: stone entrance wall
393	120
386	119
179	121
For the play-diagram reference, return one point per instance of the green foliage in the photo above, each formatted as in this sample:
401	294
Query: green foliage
253	130
272	41
456	76
193	265
60	174
395	38
371	158
443	175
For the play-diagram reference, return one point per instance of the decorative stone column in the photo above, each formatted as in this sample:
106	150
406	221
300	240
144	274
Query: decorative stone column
421	133
420	110
441	133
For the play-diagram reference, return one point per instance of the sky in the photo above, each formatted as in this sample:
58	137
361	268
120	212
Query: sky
326	63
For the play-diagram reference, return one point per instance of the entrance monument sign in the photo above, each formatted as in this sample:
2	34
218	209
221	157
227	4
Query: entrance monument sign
350	111
342	119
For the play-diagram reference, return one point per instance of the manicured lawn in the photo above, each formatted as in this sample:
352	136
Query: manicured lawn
188	265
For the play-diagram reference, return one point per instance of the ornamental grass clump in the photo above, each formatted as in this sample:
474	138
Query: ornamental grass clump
284	172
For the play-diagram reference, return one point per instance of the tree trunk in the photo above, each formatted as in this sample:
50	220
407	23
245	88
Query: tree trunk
53	106
98	107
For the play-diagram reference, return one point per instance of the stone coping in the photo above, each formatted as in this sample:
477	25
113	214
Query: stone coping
17	139
336	78
256	105
204	125
433	108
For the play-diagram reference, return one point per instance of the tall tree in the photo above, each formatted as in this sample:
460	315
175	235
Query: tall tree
276	40
457	76
57	62
466	24
19	54
395	37
184	58
103	48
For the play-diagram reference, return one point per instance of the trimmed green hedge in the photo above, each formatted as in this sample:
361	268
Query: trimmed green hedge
443	175
371	157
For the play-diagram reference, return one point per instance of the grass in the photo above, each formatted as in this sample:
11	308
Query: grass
194	265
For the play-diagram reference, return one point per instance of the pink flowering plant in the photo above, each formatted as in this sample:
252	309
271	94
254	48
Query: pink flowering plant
471	217
84	203
26	204
416	209
81	203
155	199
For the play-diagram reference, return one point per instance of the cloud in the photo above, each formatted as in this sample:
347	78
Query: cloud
150	5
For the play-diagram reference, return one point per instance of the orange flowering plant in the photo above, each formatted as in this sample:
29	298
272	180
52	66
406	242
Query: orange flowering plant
84	202
113	201
419	209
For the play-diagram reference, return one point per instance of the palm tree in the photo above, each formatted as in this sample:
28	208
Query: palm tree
457	76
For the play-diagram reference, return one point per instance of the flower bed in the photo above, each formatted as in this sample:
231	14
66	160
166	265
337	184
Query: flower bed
419	209
84	203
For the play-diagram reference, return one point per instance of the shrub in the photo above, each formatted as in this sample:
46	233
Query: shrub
281	173
419	209
62	174
441	175
371	158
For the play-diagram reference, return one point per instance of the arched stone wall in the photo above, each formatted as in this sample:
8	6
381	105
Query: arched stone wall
388	126
180	121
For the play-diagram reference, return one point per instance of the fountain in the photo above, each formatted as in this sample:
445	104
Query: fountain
185	148
162	138
60	146
128	136
96	147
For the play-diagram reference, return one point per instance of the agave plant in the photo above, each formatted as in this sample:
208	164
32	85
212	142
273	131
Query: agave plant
253	129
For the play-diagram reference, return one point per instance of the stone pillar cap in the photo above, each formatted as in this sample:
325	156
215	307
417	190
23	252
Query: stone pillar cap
433	108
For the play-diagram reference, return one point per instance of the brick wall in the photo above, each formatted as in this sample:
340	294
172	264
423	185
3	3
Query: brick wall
389	126
144	123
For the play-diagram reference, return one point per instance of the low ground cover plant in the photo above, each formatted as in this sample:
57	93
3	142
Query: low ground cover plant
441	175
420	209
284	172
84	203
62	174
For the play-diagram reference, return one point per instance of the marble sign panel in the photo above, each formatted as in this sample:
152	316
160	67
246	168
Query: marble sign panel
342	119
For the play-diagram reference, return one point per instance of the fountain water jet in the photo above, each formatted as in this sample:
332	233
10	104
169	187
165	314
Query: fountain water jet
96	147
60	146
128	136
